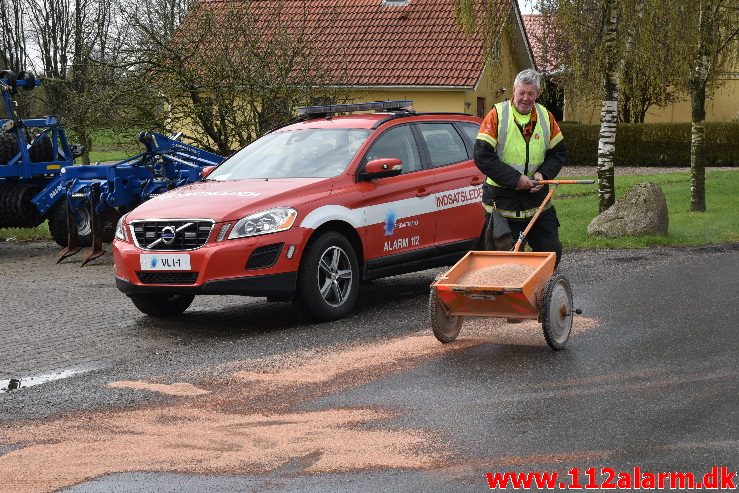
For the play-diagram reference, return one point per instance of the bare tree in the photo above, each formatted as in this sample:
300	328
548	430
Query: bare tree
13	54
78	42
232	71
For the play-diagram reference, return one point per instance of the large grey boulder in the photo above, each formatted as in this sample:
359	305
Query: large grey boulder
641	211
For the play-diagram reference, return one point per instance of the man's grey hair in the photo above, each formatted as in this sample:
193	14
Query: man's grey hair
528	77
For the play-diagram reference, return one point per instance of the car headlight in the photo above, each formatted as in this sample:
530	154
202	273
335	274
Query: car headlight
271	221
120	230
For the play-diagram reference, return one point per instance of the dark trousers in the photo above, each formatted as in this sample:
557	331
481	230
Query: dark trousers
544	235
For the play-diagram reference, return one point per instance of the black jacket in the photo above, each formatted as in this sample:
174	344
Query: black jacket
507	197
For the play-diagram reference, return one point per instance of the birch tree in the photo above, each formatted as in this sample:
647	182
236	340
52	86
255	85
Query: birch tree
706	33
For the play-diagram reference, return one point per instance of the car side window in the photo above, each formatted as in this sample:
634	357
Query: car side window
398	142
471	130
444	144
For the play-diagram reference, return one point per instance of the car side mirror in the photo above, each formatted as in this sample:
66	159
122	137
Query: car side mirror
382	168
206	171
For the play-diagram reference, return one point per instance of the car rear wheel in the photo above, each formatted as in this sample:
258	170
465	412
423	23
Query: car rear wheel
328	280
162	305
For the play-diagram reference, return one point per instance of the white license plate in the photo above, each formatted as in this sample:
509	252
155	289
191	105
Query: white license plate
180	261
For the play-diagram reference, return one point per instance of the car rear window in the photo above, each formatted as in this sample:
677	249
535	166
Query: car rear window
444	144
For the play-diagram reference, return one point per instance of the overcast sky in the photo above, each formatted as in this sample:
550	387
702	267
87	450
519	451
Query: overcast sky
526	6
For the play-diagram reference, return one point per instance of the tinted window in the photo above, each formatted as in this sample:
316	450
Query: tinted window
399	143
445	145
311	153
471	130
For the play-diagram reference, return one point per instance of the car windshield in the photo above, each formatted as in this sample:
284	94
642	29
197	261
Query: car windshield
310	153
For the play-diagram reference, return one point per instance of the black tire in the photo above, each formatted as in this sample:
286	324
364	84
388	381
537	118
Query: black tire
58	225
162	305
11	79
27	214
8	146
556	311
41	150
16	208
445	328
29	78
328	279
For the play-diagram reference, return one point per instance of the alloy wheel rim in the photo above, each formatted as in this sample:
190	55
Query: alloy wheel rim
334	276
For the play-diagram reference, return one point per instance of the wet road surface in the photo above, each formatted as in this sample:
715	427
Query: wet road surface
243	395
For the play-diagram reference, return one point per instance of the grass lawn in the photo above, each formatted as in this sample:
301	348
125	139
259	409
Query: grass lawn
114	145
577	205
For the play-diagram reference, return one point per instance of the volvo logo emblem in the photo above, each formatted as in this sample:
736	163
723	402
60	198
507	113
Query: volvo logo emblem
167	235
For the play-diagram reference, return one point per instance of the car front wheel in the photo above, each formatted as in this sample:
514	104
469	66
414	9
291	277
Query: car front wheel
328	280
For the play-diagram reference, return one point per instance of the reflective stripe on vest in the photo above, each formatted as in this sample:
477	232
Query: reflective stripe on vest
528	213
513	151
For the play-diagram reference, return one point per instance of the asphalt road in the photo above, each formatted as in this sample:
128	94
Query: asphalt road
244	395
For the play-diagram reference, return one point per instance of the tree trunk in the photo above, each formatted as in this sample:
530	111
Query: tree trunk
608	116
698	81
697	147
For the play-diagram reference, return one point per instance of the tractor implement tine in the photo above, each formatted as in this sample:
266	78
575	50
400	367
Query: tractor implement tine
97	239
66	253
96	252
97	227
72	236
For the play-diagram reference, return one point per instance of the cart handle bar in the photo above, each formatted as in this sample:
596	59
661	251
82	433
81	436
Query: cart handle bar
563	182
522	236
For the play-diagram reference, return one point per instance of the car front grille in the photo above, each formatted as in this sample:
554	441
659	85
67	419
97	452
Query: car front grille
180	234
167	277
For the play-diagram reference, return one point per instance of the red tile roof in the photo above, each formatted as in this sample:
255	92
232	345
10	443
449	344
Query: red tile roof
366	43
539	30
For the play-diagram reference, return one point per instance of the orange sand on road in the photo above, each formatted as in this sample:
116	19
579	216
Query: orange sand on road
248	423
179	389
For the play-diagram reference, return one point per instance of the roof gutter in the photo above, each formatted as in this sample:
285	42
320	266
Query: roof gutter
405	88
524	36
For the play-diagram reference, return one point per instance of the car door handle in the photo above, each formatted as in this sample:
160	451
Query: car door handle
423	192
476	181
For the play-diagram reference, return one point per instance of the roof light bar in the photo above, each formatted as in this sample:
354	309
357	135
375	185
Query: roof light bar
349	108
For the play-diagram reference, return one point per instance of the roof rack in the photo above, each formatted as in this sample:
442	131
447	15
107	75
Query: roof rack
388	106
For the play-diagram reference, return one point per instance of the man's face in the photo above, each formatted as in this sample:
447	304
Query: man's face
524	97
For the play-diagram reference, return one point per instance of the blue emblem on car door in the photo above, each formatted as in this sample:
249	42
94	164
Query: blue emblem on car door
390	218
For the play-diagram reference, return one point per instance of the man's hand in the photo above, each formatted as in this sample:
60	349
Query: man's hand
524	183
537	176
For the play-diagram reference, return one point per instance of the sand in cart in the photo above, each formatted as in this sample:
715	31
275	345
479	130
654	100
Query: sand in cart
497	275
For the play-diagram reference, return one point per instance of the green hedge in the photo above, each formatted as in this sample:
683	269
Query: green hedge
653	144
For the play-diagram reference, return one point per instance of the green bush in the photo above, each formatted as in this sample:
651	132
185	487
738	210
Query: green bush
653	144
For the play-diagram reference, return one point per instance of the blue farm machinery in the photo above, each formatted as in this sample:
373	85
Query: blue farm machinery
38	178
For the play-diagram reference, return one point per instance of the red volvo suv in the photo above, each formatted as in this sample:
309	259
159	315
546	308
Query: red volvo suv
308	211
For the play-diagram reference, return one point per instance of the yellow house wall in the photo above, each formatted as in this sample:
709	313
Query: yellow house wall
722	107
423	100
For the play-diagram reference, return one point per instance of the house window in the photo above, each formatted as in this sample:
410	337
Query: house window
481	107
396	3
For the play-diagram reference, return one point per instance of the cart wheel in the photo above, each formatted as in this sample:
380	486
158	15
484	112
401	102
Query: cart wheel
556	311
446	327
